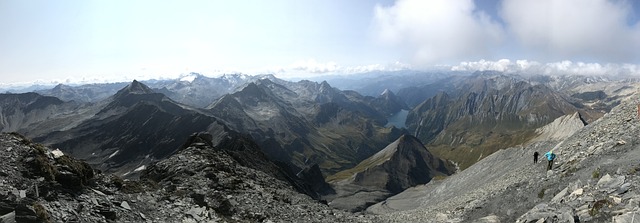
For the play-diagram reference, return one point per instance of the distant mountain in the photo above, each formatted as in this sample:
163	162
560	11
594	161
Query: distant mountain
18	110
389	103
200	91
34	114
306	122
375	82
133	128
192	89
491	111
299	124
83	93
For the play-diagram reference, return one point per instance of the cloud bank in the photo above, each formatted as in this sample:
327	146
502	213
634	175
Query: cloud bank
312	67
555	68
545	30
437	30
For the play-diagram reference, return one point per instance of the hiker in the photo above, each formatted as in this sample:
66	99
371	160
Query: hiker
535	156
550	156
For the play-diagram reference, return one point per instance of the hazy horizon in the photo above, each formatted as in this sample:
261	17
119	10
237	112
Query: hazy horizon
98	41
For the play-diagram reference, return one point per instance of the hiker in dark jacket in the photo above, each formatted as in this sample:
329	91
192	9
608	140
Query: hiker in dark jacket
535	156
550	157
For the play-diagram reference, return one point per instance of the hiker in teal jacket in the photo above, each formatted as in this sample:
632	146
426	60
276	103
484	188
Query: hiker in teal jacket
550	157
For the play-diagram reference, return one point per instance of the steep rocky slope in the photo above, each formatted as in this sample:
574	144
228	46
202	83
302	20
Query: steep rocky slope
34	112
594	180
402	164
493	112
132	128
560	129
200	183
307	123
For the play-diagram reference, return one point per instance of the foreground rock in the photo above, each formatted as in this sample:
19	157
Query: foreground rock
200	183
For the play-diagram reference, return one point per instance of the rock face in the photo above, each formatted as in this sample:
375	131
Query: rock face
561	128
131	129
389	103
490	112
402	164
200	183
17	111
592	180
304	123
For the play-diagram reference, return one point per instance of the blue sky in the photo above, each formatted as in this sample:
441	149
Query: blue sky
70	41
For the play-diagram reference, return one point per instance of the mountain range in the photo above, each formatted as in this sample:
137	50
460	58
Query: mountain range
348	148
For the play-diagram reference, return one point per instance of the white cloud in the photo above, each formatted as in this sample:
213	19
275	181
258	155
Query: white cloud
555	68
311	67
591	29
438	31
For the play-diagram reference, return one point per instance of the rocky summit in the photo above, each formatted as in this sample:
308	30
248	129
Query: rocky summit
199	183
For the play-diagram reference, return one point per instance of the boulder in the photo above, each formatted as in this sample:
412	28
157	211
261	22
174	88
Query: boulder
26	213
559	196
627	217
8	218
609	183
488	219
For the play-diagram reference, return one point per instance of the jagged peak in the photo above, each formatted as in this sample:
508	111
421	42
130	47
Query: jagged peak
387	94
325	87
135	88
252	88
60	87
404	142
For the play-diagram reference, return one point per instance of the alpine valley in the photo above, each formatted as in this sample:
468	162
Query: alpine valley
402	146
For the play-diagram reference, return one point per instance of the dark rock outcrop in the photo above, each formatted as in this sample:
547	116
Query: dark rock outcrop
199	183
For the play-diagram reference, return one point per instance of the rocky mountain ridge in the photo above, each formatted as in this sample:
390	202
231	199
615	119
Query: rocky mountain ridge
593	180
199	183
132	128
307	123
493	112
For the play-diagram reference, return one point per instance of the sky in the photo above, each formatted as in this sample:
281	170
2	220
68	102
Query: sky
96	41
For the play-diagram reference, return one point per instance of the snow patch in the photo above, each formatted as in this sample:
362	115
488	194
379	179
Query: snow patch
188	77
141	168
113	154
